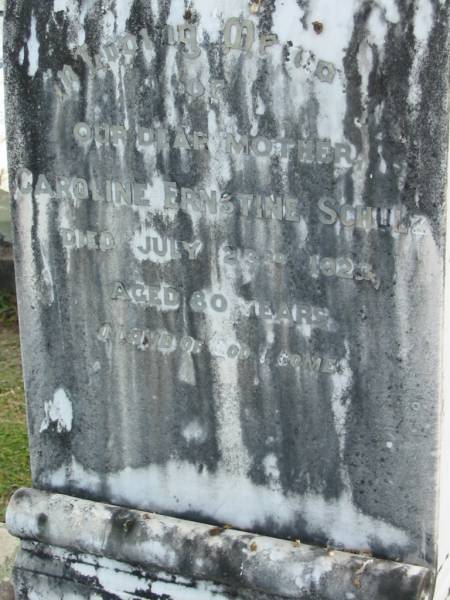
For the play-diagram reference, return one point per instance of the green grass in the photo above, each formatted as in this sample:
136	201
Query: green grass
8	310
14	462
5	215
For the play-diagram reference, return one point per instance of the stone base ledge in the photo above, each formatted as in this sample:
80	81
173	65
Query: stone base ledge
120	553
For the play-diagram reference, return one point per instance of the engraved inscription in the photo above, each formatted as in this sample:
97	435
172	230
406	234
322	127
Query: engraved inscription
158	203
239	34
156	248
164	298
367	218
165	343
168	298
308	361
212	202
312	151
92	240
343	268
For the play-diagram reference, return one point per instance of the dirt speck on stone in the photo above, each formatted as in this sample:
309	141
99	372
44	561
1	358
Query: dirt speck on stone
318	27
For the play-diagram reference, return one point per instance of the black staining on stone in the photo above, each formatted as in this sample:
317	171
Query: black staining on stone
30	88
42	522
43	570
150	107
287	418
191	16
304	5
40	130
213	555
262	90
20	495
188	403
122	525
414	587
397	126
431	122
354	111
147	102
235	96
314	430
270	388
287	55
388	93
93	27
215	58
266	10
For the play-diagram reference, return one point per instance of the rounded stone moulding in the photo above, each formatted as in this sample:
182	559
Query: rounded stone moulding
90	539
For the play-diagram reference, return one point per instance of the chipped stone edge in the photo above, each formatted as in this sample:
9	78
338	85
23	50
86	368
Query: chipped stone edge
200	551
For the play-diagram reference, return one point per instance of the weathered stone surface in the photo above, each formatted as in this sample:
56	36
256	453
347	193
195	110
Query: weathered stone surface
230	561
8	550
230	231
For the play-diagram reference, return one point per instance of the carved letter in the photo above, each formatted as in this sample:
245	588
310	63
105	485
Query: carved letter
145	136
68	238
237	146
193	249
83	133
347	214
69	79
106	241
324	152
332	215
80	189
187	35
43	186
62	188
195	88
267	40
118	134
24	181
172	298
306	151
170	194
245	34
291	210
261	146
129	45
119	292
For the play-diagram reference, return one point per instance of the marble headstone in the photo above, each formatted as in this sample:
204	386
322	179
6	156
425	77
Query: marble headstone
230	225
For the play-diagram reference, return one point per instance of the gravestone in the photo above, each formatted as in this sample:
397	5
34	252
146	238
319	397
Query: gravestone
229	226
